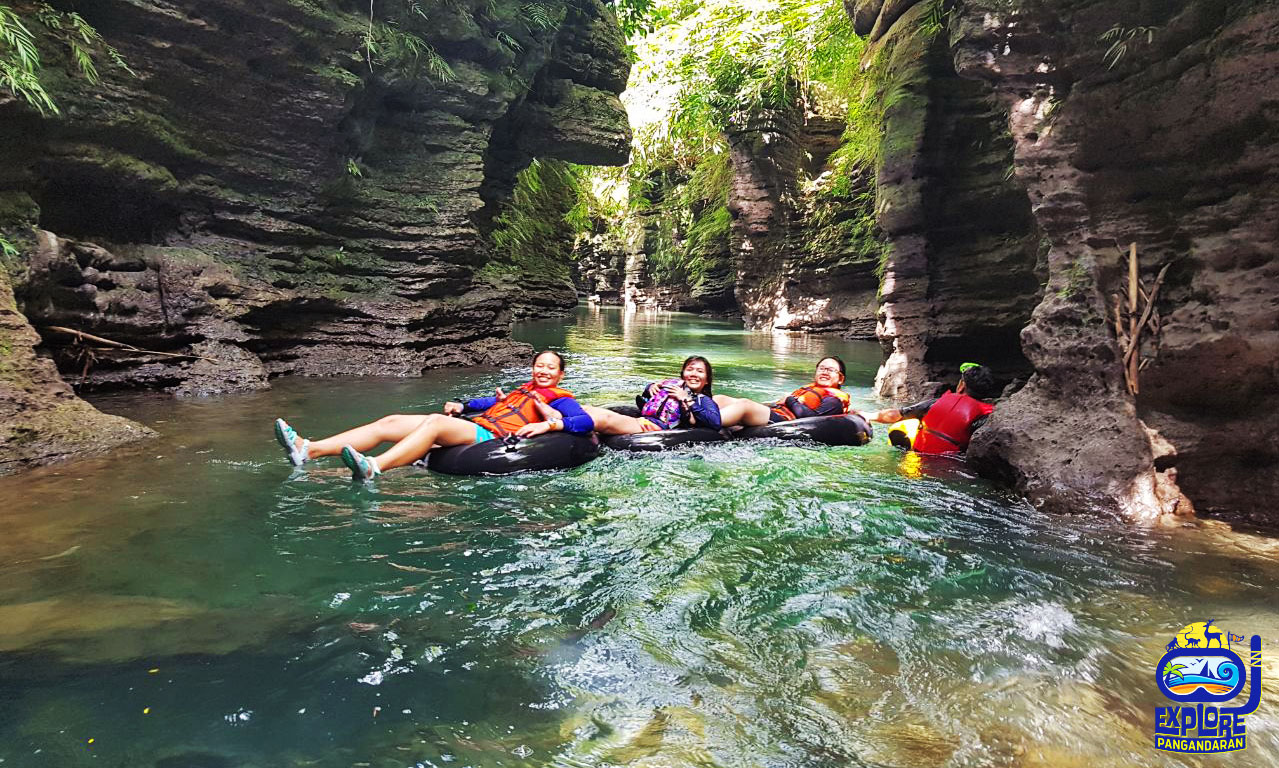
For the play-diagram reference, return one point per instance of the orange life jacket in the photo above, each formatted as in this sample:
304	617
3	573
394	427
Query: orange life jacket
518	408
948	425
811	396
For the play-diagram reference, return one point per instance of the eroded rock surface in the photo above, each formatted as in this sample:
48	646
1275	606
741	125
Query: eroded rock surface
263	199
41	419
1171	146
962	271
1153	124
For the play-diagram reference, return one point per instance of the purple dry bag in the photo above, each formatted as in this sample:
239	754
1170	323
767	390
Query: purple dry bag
663	408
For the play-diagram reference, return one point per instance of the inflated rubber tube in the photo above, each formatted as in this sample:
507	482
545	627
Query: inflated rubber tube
664	440
553	450
659	441
849	429
902	434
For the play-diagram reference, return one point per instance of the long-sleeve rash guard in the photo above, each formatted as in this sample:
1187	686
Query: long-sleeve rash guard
706	411
576	420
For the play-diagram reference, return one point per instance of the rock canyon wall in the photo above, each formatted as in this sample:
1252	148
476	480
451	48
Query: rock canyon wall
1152	123
263	196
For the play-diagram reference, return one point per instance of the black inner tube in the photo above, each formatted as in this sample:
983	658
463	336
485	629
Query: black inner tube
659	441
552	450
848	429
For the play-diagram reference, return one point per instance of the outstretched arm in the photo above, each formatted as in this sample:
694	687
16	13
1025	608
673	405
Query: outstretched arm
916	411
576	420
829	406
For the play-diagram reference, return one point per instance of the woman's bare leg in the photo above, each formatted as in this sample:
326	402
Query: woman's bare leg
435	430
388	429
612	423
740	410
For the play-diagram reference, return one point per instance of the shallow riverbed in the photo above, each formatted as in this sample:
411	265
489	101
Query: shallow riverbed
194	602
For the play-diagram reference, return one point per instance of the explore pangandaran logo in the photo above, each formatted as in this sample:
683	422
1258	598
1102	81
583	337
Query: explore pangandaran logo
1201	670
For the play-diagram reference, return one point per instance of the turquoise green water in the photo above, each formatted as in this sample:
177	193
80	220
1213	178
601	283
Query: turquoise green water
194	602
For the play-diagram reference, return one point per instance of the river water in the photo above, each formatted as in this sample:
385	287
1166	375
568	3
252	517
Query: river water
194	602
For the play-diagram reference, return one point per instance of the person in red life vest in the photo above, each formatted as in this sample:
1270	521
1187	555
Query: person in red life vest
670	404
949	421
534	408
821	398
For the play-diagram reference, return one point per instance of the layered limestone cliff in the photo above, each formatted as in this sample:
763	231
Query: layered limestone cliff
1154	124
777	248
1171	145
265	197
803	263
962	268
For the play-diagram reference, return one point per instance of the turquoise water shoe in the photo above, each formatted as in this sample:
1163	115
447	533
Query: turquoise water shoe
362	467
288	440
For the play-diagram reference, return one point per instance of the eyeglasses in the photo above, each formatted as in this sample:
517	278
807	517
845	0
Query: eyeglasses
827	369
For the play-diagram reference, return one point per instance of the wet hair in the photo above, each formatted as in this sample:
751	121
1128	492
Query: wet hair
843	370
558	356
980	382
710	374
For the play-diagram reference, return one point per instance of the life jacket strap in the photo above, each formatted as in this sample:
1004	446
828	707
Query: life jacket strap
511	410
942	435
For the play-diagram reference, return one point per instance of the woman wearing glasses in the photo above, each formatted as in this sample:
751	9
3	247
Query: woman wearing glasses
823	397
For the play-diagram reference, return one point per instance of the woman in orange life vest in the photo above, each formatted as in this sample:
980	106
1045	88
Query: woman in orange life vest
821	398
534	408
695	408
949	421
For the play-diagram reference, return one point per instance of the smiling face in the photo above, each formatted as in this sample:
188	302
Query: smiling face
828	373
694	375
547	370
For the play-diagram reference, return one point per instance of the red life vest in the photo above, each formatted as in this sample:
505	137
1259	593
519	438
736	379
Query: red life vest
518	408
811	396
948	425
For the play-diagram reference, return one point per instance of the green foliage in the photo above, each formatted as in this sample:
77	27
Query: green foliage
636	17
395	36
20	62
1075	281
936	18
510	42
20	57
1119	38
709	67
843	228
386	44
8	249
353	168
542	16
694	222
536	229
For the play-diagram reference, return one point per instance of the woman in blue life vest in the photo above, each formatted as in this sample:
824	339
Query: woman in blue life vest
534	408
823	397
947	423
671	404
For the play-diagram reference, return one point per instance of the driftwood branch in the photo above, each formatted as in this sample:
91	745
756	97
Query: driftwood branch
1141	316
1129	363
82	337
1133	343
